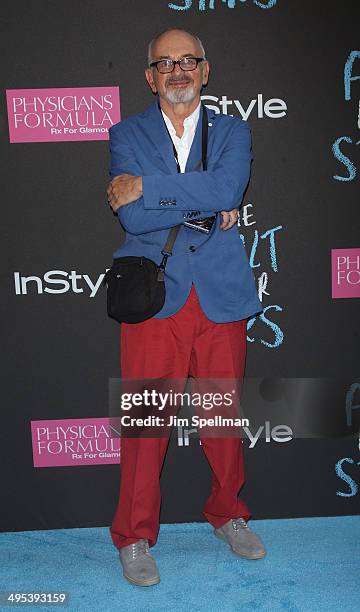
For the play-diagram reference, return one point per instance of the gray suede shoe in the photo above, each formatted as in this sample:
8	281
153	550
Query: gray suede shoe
241	539
139	567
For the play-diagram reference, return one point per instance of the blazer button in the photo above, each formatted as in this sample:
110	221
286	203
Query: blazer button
192	248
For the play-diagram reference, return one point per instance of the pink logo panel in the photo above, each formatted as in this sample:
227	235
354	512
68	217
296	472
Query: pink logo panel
75	442
345	266
53	115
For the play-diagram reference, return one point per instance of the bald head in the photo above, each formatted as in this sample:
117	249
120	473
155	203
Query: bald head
172	38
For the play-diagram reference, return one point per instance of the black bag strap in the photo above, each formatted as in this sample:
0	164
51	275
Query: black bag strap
167	250
205	130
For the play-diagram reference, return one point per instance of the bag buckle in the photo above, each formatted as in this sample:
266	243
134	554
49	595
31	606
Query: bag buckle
165	255
168	253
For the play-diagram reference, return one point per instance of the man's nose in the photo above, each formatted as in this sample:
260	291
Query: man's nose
177	69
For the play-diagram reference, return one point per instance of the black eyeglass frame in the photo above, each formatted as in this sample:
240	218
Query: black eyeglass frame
174	62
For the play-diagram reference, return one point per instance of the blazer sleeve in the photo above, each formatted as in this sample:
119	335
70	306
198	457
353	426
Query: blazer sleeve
221	187
133	216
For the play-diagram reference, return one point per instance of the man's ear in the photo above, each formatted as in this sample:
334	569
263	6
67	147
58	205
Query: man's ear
150	80
205	72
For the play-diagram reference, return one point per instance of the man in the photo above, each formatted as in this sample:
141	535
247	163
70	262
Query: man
210	288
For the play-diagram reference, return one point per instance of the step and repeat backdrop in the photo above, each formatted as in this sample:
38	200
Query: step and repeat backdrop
70	70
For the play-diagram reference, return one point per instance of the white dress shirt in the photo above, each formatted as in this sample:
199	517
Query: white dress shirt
183	144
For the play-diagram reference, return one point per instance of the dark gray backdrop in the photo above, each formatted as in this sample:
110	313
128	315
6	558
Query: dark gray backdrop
60	351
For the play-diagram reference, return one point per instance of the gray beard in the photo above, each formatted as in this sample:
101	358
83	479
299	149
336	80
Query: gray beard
178	96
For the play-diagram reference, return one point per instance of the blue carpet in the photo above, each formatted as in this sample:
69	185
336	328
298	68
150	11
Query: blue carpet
312	564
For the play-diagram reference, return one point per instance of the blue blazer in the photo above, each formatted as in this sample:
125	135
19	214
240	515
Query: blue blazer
216	263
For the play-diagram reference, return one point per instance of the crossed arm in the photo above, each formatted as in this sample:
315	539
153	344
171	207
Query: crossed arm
138	200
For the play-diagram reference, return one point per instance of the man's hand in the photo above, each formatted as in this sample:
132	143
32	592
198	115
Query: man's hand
229	218
124	189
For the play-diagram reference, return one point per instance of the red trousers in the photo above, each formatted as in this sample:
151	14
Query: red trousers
185	344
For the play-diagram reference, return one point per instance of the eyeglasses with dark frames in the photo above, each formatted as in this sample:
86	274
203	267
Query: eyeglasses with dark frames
168	65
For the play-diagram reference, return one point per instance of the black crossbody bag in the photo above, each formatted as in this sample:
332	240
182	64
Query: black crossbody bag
136	285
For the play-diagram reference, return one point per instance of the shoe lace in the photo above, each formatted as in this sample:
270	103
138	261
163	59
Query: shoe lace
239	523
139	547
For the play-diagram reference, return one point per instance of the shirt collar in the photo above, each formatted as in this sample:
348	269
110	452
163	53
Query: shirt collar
189	122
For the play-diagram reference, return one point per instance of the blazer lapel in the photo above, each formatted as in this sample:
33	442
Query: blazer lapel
194	160
153	124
